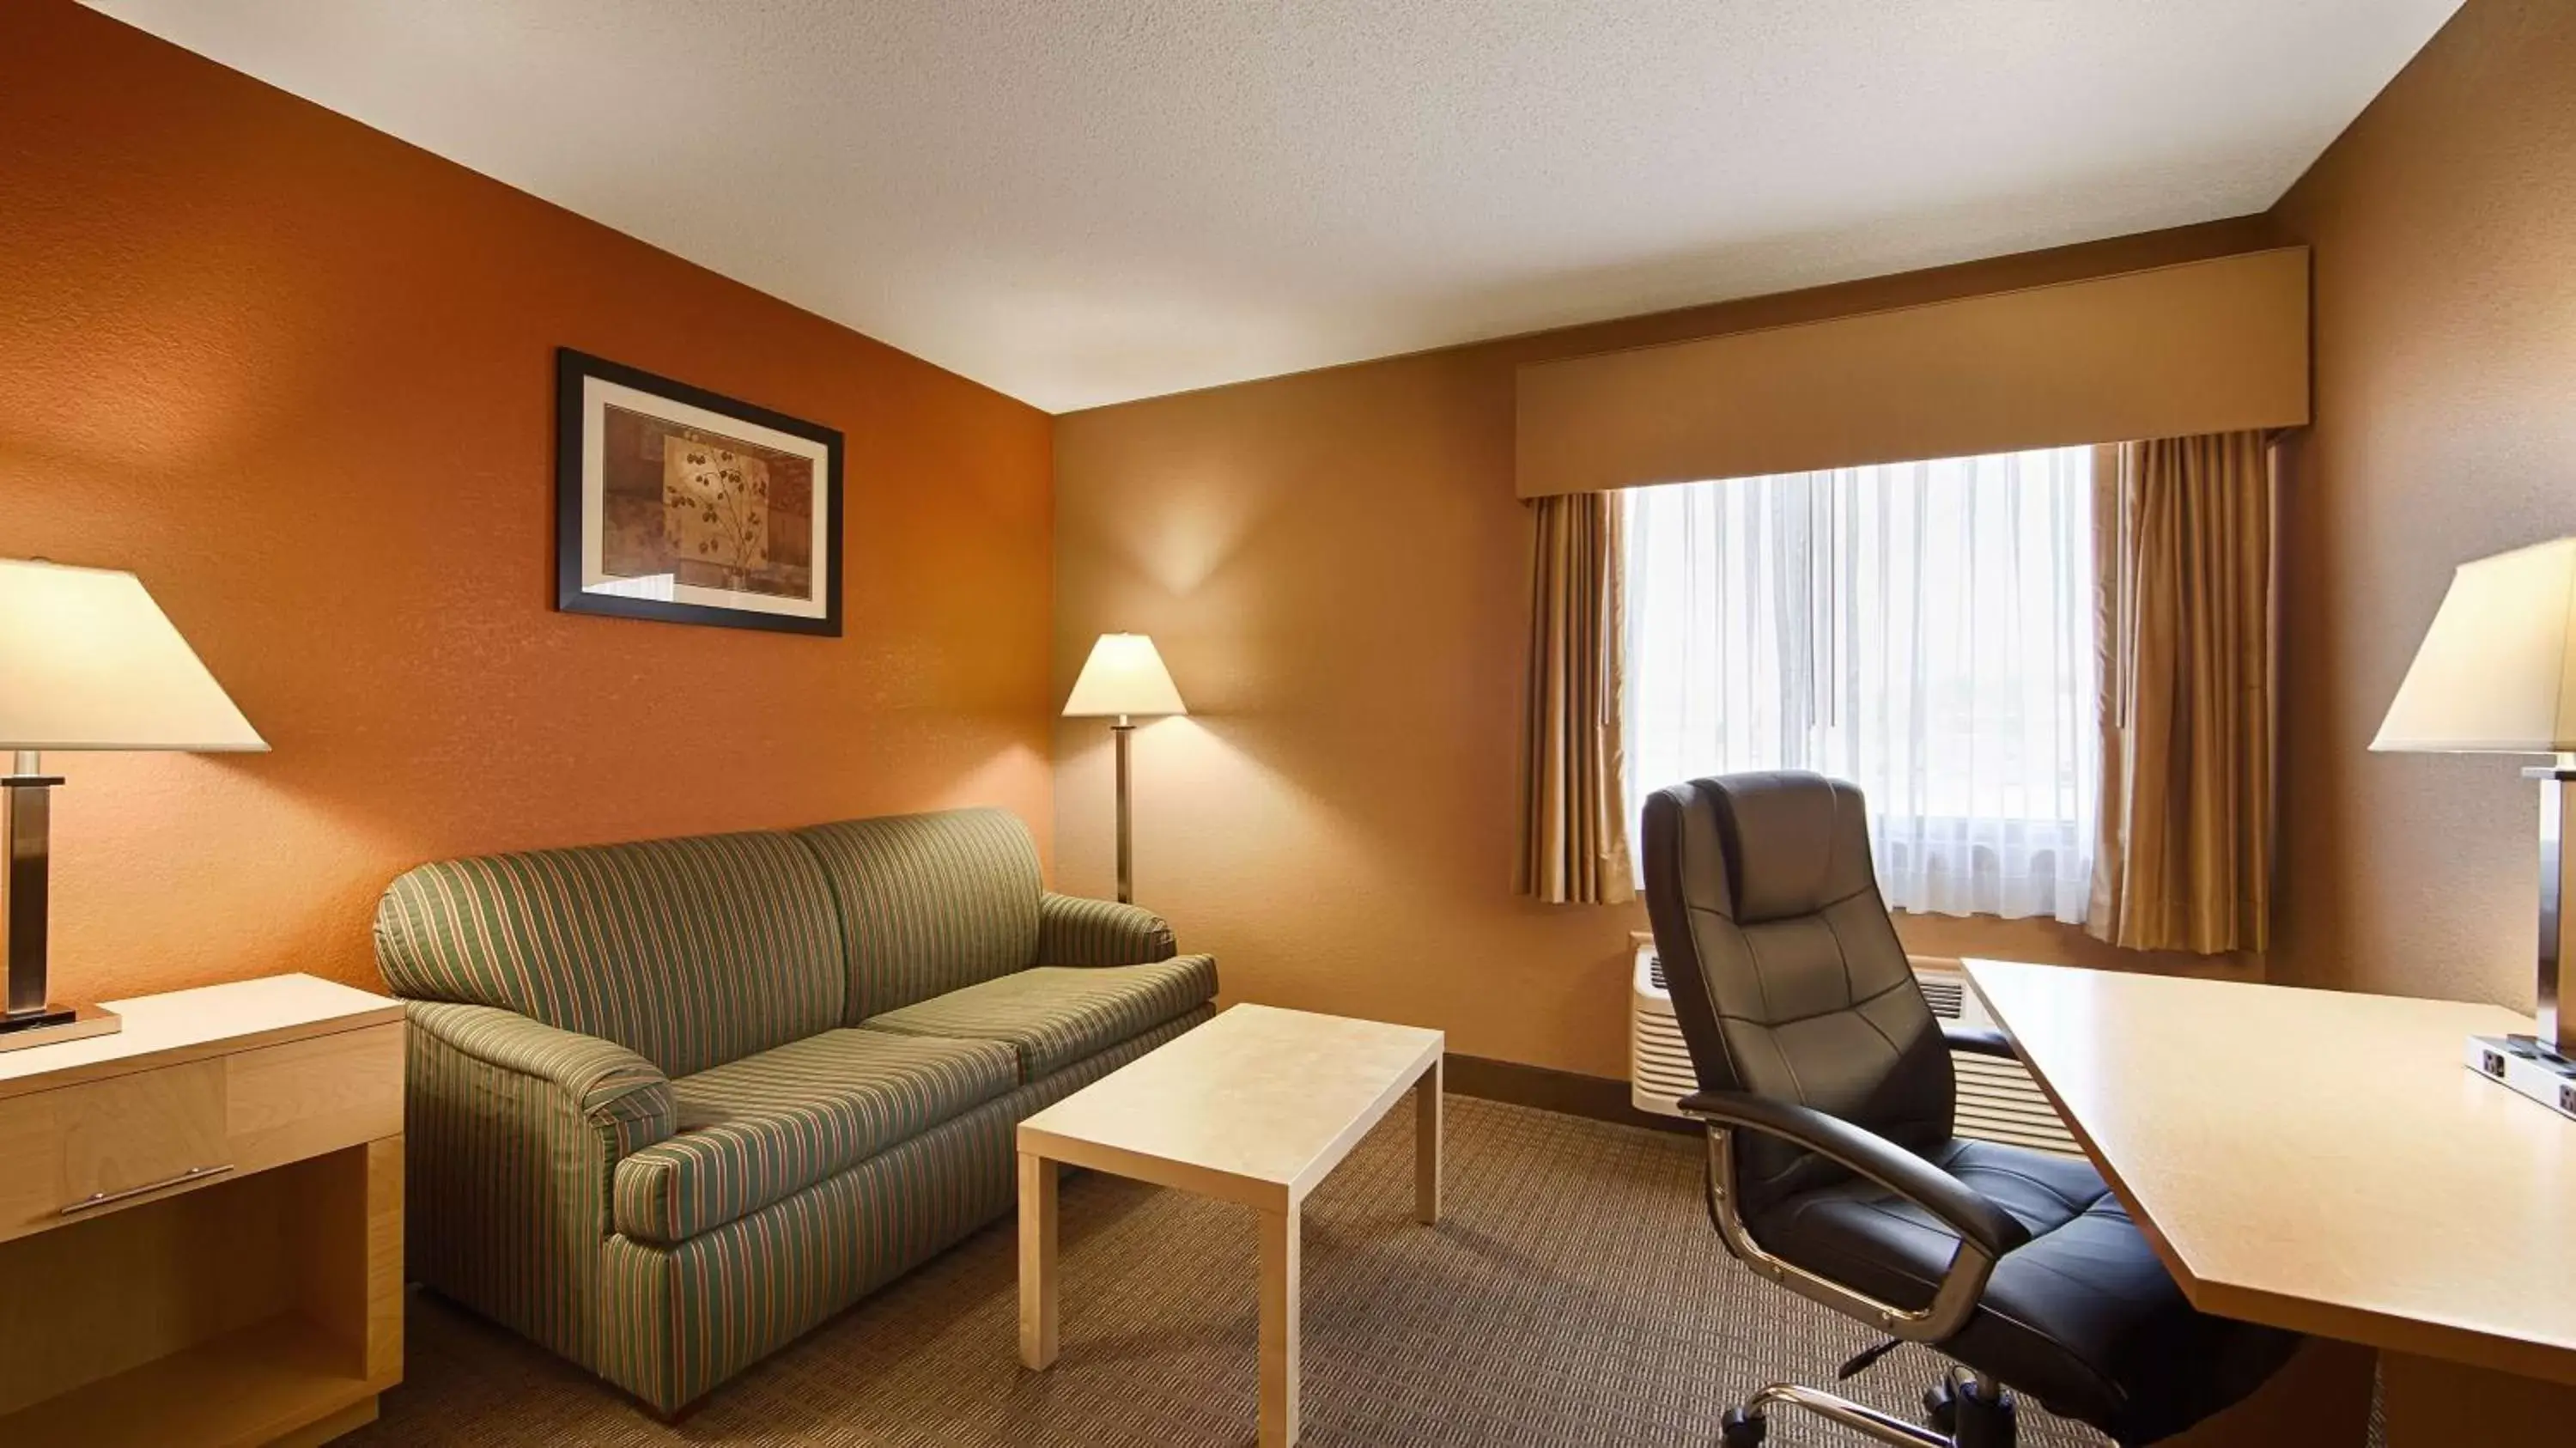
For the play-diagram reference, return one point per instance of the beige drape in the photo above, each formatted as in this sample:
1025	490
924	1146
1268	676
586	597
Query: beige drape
2183	530
1574	831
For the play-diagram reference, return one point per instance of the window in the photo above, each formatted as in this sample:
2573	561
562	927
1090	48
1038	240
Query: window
1924	630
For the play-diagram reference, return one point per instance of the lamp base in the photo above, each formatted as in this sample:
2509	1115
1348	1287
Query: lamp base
56	1024
2524	1066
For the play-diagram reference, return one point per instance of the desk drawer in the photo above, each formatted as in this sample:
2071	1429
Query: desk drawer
132	1134
304	1098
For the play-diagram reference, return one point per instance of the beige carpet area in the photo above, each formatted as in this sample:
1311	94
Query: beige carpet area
1573	1295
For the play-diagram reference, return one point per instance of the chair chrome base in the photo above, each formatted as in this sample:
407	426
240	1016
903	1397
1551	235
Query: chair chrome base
1970	1413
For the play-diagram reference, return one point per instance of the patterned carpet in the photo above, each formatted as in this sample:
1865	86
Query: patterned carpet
1573	1295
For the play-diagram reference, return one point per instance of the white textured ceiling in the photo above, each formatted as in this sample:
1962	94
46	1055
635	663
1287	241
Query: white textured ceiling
1085	201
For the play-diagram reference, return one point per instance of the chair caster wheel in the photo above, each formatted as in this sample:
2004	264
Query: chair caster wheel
1941	1409
1968	1417
1739	1429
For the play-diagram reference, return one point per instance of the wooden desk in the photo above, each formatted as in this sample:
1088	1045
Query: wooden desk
2321	1161
201	1222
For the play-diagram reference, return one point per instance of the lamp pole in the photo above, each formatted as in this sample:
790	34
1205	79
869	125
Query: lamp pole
1121	732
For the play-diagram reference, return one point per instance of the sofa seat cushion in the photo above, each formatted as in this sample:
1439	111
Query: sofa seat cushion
1054	1016
768	1126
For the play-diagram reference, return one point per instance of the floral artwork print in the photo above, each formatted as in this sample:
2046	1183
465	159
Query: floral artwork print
693	507
715	506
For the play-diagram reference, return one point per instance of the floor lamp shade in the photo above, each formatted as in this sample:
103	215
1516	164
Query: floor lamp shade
2495	675
87	662
1124	677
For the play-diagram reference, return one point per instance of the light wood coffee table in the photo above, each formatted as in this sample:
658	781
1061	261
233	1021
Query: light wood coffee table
1255	1107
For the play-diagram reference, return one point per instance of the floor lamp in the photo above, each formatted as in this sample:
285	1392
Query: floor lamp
87	661
1123	679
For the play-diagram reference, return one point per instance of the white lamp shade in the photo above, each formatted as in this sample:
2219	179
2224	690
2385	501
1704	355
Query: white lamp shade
1124	675
89	661
2494	674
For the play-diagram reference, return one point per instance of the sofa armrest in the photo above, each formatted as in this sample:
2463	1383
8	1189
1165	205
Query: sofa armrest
1076	931
605	1085
515	1131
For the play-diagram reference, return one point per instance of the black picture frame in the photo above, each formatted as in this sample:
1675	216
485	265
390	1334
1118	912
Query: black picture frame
574	496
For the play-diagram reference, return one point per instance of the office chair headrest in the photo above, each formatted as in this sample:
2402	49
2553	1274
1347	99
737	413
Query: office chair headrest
1814	842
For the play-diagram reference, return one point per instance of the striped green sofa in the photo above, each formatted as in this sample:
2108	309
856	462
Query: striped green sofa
673	1103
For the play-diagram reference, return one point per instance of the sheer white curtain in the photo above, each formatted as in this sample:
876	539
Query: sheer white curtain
1924	630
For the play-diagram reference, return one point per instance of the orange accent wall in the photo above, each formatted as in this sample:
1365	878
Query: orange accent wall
2444	228
298	376
1335	568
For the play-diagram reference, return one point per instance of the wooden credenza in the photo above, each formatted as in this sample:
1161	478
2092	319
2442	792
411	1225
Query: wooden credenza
201	1222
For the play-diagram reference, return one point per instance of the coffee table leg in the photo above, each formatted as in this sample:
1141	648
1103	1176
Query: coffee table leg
1037	1261
1426	1145
1280	1253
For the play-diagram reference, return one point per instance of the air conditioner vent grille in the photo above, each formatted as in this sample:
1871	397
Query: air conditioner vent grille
1998	1100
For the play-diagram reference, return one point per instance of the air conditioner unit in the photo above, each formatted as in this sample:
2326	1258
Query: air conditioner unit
1998	1100
1659	1066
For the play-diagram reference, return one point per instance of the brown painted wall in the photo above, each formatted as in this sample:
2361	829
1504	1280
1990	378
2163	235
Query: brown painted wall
1335	568
2444	228
298	375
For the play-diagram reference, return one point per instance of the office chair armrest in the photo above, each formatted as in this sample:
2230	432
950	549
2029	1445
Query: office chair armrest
1986	1232
1979	1041
1979	1222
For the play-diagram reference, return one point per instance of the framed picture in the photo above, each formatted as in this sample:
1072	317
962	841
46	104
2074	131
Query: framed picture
677	504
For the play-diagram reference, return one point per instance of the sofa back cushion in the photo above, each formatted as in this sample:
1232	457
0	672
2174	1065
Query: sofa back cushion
930	902
689	952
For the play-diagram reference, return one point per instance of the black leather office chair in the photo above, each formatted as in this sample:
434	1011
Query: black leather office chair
1826	1089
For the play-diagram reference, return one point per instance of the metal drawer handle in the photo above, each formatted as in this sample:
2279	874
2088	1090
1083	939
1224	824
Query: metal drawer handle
96	1200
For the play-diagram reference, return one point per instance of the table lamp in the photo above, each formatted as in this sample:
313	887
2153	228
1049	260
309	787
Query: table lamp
2496	674
1123	677
87	661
